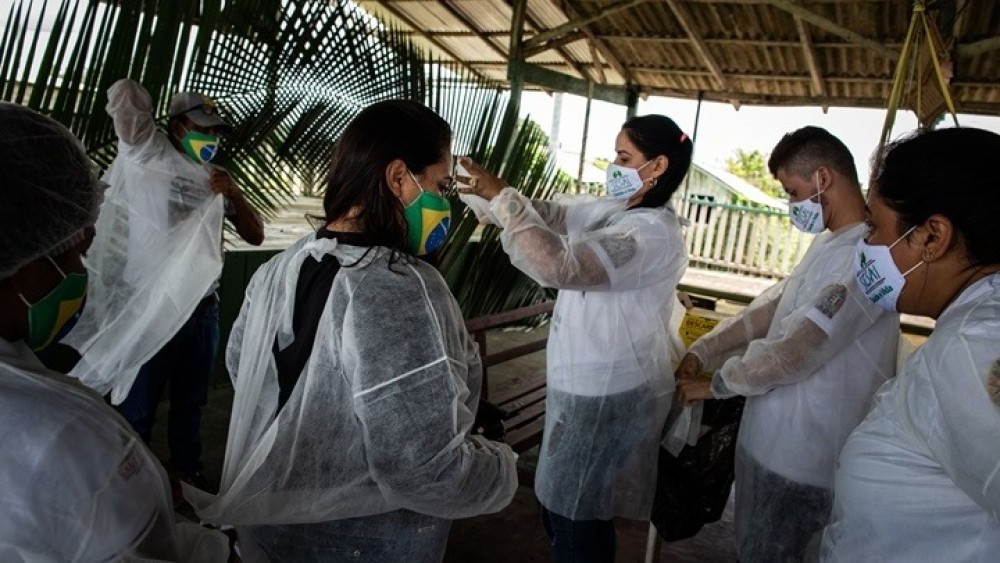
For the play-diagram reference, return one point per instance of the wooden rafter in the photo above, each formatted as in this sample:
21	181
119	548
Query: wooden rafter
601	46
579	23
684	19
446	4
819	21
559	49
555	43
810	54
416	29
979	47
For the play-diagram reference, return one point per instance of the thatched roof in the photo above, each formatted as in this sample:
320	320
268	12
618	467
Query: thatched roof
779	52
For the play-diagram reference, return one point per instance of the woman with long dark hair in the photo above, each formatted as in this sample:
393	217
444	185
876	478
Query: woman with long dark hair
356	381
616	261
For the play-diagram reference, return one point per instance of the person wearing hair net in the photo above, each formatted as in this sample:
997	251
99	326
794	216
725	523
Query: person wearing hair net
808	354
154	317
356	382
919	479
76	484
616	261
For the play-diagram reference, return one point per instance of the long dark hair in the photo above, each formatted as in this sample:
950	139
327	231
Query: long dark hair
381	133
950	172
654	135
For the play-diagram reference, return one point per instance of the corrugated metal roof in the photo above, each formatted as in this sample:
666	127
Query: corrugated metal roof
673	47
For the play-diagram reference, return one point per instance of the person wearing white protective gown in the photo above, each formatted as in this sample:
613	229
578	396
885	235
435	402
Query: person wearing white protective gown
356	382
808	354
919	479
76	484
616	262
153	323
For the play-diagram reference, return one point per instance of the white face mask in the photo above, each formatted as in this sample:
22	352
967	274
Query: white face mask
623	182
877	274
807	215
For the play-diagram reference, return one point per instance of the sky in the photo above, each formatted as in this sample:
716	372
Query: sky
722	129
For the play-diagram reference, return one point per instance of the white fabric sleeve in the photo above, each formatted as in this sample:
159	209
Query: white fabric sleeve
408	372
634	253
810	335
131	110
733	335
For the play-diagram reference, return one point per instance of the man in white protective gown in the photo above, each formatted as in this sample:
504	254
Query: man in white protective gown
919	480
153	322
808	354
356	382
616	261
76	484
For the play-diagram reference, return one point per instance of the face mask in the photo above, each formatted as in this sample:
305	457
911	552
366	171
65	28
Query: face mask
622	182
807	215
201	147
427	218
53	316
877	274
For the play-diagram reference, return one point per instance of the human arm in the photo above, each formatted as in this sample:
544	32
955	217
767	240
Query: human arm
409	376
238	210
131	111
810	336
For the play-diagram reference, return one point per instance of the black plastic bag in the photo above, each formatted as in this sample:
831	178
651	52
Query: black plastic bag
692	489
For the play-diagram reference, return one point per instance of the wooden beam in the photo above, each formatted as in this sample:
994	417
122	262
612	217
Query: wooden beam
559	82
810	55
979	47
559	49
472	27
555	44
684	18
796	9
602	47
416	28
600	68
578	23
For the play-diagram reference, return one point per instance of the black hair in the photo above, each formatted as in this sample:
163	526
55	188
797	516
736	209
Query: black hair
654	135
951	172
802	151
381	133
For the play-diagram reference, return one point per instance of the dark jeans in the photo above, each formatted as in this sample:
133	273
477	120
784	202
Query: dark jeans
185	362
580	541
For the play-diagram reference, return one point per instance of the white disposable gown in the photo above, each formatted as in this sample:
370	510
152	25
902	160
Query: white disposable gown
380	417
808	354
76	484
157	253
919	479
609	365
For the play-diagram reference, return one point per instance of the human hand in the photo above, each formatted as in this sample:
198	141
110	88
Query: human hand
689	368
221	182
480	181
691	391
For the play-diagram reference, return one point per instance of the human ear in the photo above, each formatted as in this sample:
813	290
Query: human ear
940	237
395	172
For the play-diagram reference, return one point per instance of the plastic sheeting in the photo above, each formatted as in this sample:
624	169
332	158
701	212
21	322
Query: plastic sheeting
76	484
809	378
381	416
610	359
157	253
919	479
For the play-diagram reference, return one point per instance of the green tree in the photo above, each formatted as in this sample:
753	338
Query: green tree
752	167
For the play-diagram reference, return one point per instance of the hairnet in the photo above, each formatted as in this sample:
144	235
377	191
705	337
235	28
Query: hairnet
50	186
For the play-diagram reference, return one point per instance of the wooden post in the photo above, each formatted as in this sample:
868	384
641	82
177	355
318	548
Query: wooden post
586	131
515	73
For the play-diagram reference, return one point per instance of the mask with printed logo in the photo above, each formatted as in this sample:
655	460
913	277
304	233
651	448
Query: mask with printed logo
427	220
201	147
622	182
807	215
53	316
877	274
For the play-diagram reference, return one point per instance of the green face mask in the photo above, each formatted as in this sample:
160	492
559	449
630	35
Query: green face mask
427	218
53	316
201	147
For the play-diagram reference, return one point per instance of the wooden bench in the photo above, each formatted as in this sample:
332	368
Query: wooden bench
523	404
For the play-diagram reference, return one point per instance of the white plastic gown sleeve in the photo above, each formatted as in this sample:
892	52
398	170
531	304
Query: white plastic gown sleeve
919	479
733	335
809	337
76	484
380	418
157	252
624	255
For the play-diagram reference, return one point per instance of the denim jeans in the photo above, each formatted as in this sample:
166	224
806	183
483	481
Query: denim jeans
580	541
402	536
185	362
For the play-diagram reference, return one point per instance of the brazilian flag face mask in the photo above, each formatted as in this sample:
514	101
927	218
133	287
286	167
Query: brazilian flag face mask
53	316
201	147
427	218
